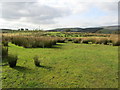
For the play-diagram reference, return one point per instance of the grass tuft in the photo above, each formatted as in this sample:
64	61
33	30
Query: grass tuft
36	61
12	60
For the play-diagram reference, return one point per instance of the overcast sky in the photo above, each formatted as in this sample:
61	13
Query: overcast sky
49	14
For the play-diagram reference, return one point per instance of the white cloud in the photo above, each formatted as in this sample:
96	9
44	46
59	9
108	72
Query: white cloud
31	12
54	1
57	13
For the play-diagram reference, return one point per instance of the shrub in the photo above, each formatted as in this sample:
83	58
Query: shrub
36	61
12	60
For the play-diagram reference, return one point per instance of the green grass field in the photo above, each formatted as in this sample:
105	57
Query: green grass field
66	65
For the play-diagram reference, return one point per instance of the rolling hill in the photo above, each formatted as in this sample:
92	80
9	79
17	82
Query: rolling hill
103	29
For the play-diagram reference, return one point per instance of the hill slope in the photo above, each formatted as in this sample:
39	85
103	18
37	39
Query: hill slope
104	29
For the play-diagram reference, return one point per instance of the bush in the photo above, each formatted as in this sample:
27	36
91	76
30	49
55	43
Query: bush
12	60
36	61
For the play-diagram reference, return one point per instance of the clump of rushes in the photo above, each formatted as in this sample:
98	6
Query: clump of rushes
12	60
69	39
61	40
4	41
116	42
115	39
77	40
34	42
4	52
85	40
36	61
103	41
88	40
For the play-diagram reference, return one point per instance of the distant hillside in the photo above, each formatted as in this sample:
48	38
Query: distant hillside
5	30
104	29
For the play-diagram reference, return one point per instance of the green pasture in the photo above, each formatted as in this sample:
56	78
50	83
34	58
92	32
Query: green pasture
66	65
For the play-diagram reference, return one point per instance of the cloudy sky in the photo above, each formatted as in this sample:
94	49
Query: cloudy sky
49	14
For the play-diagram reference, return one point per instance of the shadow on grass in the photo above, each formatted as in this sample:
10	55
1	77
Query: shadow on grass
22	69
57	46
45	67
5	64
52	47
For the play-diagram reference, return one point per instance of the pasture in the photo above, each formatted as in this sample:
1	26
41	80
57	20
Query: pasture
65	65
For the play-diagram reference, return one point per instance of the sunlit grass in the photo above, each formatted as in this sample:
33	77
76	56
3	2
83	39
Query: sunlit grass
67	65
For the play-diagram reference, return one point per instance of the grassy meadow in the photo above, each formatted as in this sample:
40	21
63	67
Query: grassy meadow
63	65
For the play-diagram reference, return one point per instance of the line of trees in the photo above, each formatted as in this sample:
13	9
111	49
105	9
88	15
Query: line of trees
22	29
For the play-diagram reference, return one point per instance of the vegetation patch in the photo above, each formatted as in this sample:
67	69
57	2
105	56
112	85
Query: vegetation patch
33	42
71	66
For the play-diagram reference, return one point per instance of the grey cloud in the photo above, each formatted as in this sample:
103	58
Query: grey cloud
110	7
32	12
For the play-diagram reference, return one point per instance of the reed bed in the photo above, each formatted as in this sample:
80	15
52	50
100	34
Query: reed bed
47	41
33	42
81	34
112	40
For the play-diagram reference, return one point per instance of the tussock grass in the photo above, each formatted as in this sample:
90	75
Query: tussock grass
33	42
112	40
60	40
5	40
4	52
115	39
12	60
36	61
47	39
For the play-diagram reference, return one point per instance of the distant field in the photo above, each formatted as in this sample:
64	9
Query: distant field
66	65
